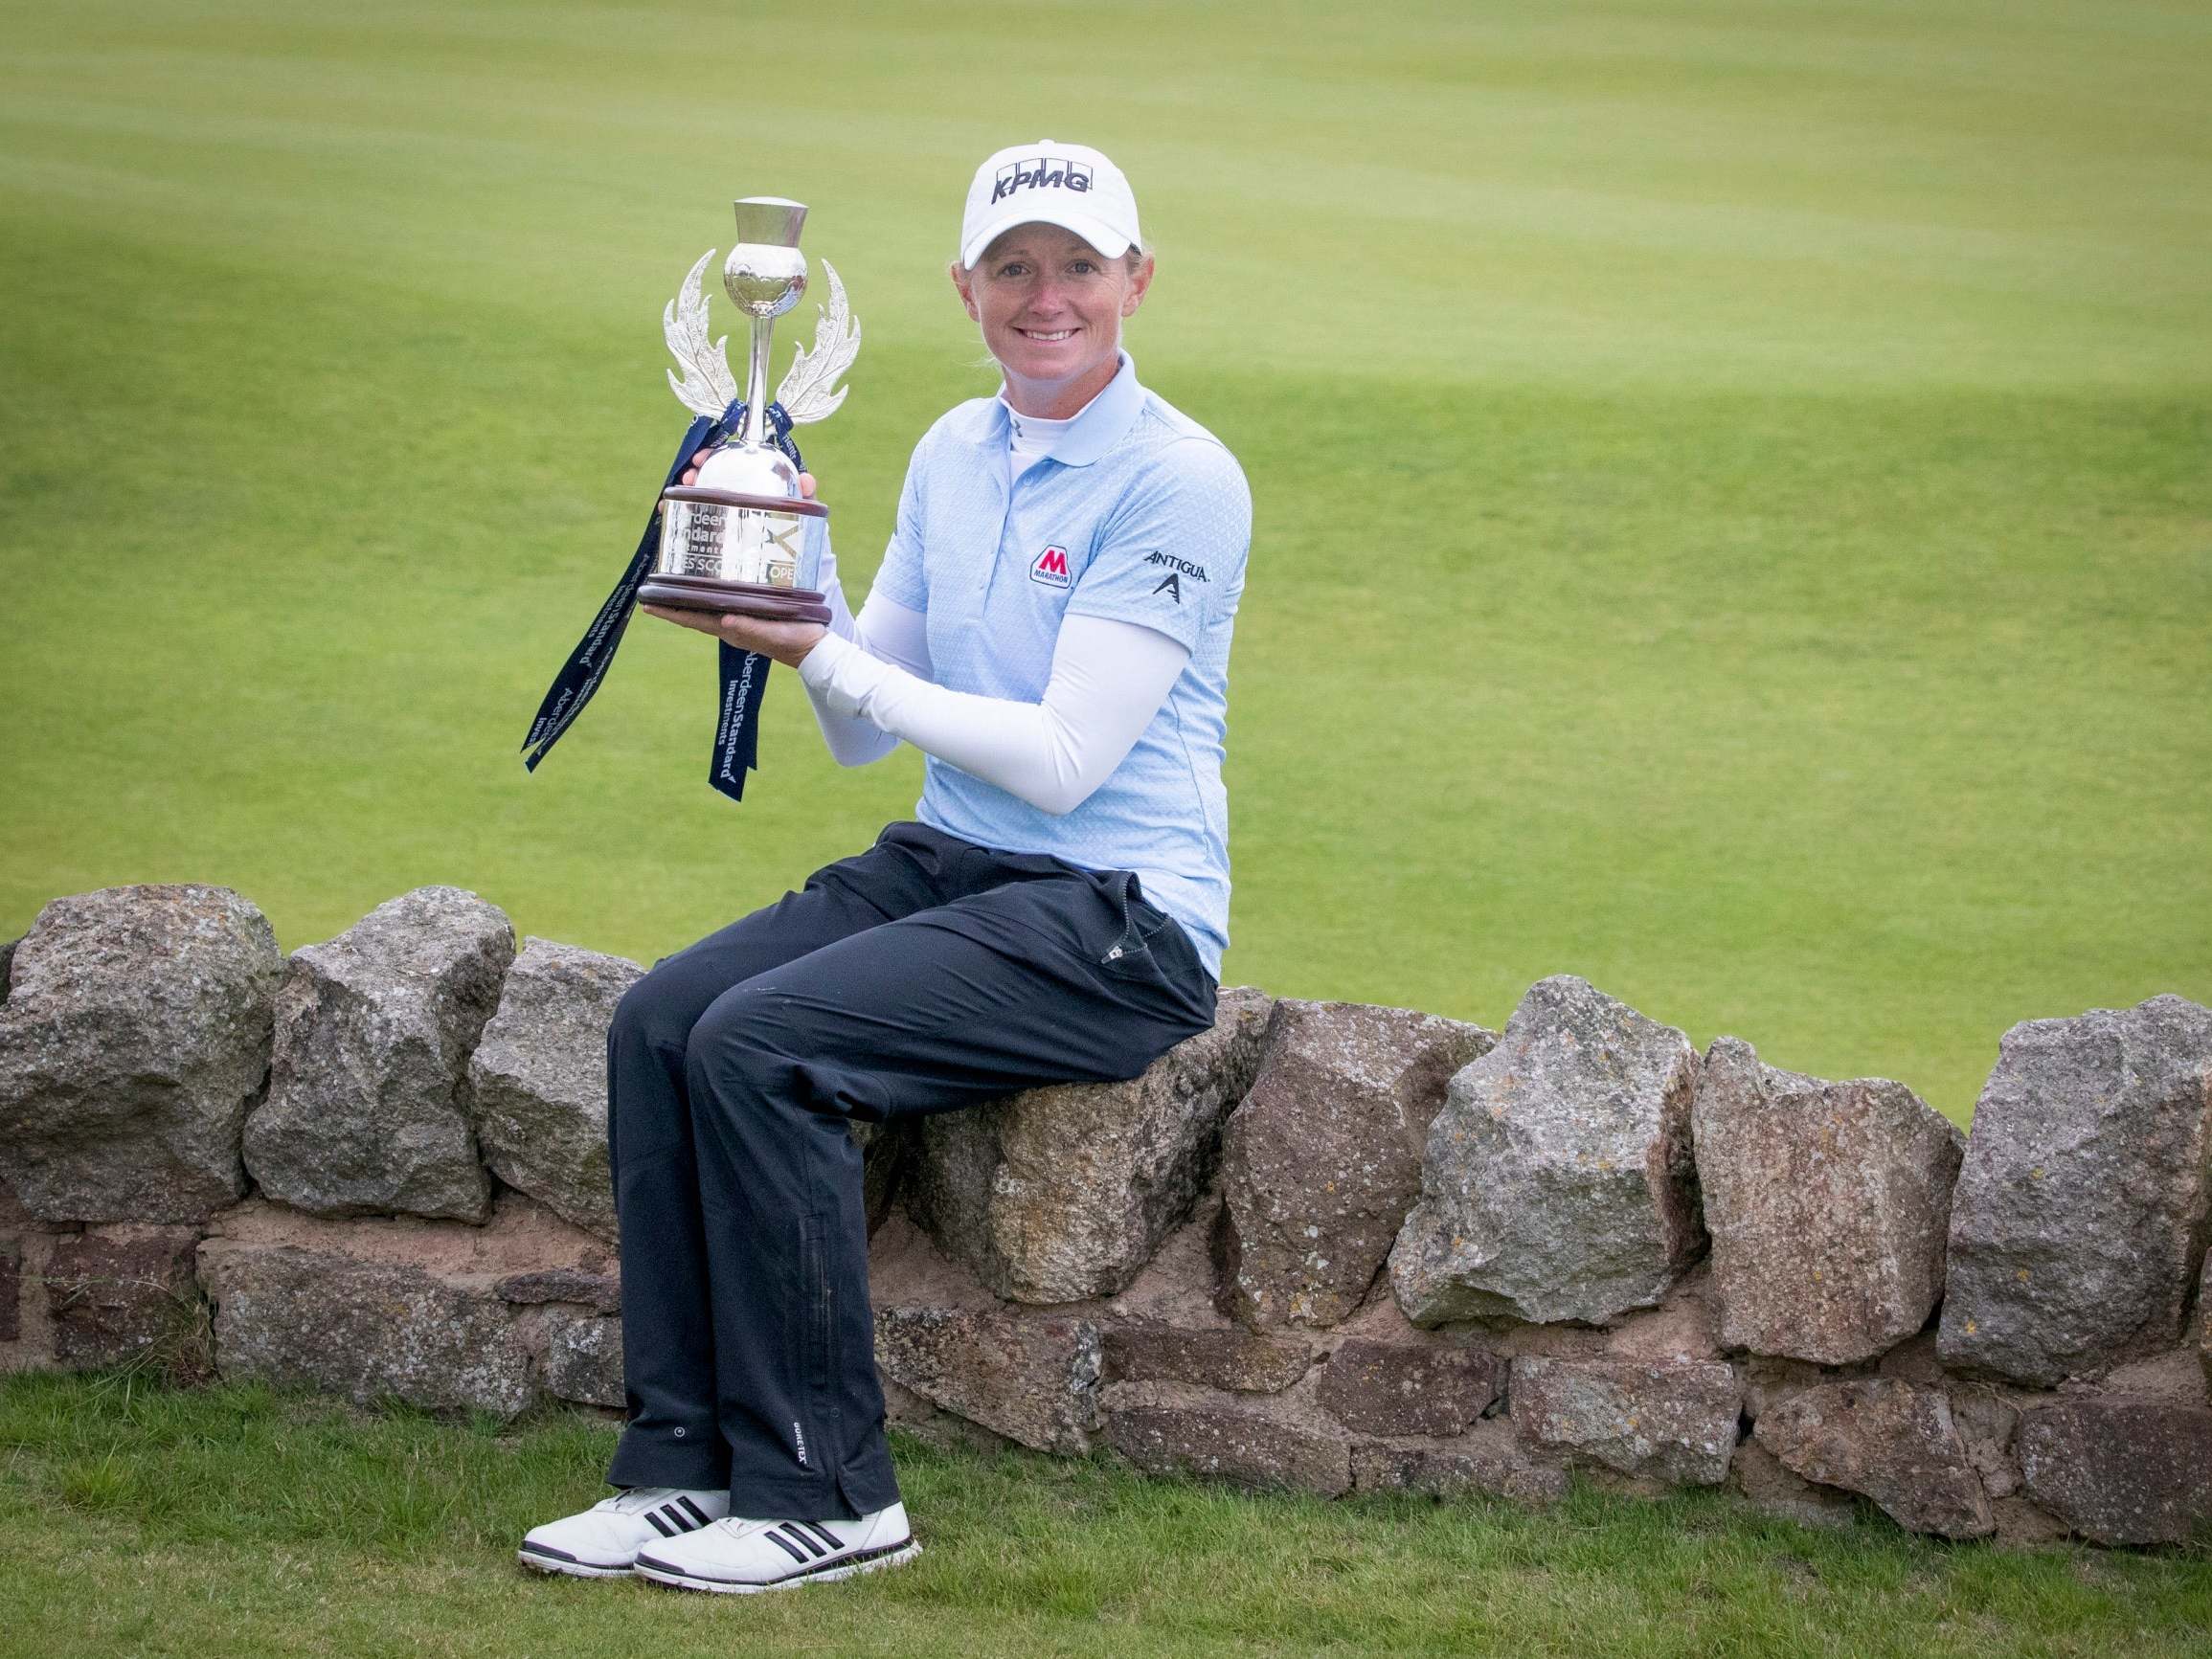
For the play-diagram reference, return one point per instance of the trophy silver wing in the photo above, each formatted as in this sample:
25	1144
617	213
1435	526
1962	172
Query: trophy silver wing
708	386
810	391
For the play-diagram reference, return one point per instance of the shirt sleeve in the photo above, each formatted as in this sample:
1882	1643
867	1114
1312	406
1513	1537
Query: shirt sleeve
1109	679
1170	557
886	630
900	577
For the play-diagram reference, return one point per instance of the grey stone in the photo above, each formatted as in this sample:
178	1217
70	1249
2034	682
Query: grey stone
1895	1442
363	1329
133	1040
1322	1160
1226	1444
1401	1388
585	1362
951	1172
10	1290
2080	1219
1775	1491
2020	1523
1558	1183
1828	1205
884	1148
2204	1324
1485	1462
2120	1471
601	1292
118	1293
909	1413
23	1302
1060	1194
1987	1423
1673	1421
367	1113
1031	1378
539	1079
6	964
1768	1381
2174	1376
1240	1361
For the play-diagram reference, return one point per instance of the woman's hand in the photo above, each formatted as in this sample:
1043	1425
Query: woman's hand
698	460
787	642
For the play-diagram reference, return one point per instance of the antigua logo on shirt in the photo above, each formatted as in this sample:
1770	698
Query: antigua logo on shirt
1051	568
1196	573
1171	584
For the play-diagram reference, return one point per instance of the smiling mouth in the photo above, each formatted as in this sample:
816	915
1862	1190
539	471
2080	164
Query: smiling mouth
1048	336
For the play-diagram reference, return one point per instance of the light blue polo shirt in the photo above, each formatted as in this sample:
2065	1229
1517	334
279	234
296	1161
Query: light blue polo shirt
1137	513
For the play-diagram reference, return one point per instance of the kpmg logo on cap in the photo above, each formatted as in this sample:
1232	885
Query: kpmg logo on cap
1044	172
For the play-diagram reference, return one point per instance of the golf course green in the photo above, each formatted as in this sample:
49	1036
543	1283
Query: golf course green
1732	478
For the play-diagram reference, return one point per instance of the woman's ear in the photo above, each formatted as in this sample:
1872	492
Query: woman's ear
965	281
1139	284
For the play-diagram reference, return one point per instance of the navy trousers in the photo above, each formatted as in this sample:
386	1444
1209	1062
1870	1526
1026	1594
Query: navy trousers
923	975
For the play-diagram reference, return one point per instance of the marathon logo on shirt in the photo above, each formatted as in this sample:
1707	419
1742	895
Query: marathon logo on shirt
1051	568
1042	174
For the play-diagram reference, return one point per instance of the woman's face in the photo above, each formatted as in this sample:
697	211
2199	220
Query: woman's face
1051	307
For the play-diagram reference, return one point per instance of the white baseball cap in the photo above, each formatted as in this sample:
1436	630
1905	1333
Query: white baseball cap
1069	185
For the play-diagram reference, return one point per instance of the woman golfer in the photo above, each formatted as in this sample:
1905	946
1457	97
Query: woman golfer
1050	626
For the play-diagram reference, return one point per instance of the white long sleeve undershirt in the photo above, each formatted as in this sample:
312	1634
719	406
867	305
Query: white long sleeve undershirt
869	682
884	630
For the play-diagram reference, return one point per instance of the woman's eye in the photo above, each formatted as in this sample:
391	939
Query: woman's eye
1083	268
1016	269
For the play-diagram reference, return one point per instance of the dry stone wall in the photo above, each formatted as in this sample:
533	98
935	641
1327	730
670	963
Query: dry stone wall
1327	1246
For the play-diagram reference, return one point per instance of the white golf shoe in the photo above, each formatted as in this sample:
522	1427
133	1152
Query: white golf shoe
739	1556
602	1541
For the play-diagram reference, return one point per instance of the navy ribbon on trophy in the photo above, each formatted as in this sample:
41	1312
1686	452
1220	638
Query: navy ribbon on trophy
743	674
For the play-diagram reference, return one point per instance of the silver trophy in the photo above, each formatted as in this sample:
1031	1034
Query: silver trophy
742	538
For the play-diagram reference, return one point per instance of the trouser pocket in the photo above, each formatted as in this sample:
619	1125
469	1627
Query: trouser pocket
1143	926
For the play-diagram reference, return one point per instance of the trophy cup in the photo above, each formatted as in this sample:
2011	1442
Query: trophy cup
742	538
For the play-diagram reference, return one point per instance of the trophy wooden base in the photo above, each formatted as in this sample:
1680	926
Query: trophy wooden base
742	598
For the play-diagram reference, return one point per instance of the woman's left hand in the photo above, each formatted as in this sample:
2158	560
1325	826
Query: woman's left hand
787	642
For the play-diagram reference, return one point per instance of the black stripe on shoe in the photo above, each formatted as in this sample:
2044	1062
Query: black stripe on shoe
853	1558
822	1533
793	1530
699	1516
787	1547
661	1526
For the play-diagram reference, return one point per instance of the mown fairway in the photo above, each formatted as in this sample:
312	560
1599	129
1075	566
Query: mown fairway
146	1522
1733	508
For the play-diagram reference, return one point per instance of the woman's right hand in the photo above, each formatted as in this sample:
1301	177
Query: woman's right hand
691	473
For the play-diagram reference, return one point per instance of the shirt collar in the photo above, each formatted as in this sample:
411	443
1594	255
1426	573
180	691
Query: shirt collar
1102	422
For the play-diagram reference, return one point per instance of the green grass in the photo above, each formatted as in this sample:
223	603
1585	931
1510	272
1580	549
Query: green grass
1733	511
141	1521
